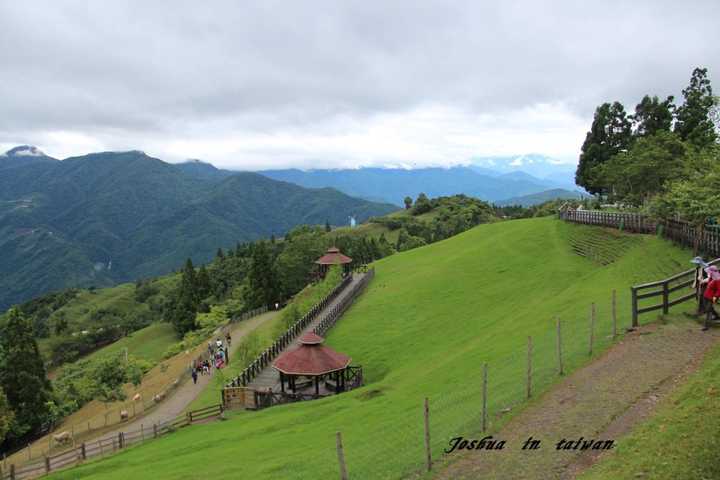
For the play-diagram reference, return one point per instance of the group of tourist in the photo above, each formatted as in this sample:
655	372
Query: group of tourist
218	357
707	284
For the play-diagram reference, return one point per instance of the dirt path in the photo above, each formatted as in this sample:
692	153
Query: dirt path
186	393
603	400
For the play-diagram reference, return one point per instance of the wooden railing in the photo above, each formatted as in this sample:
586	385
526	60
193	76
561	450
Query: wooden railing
631	222
267	356
353	379
666	290
706	241
332	317
107	445
683	233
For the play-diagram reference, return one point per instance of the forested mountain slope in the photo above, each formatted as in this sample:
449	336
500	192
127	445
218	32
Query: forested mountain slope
109	217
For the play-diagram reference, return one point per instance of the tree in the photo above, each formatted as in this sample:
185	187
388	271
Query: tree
7	416
220	254
203	284
609	135
422	205
652	115
696	198
183	309
694	123
22	375
642	172
328	229
296	262
261	280
408	203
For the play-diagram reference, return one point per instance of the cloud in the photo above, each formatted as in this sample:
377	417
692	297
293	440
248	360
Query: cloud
274	84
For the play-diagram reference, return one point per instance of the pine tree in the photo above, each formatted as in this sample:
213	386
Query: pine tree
327	226
187	299
693	117
22	375
262	284
220	254
609	135
204	287
7	416
652	115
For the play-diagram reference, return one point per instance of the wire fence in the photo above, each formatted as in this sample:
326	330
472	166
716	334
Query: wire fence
473	407
137	405
106	446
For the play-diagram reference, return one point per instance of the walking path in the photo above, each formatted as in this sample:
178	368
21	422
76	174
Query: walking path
602	401
269	377
174	405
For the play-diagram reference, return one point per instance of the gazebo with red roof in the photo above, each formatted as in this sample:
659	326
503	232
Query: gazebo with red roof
333	256
314	360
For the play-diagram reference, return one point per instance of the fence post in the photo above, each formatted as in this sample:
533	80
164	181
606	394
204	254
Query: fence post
559	347
666	298
189	418
428	453
529	367
83	451
341	456
47	464
592	327
614	313
154	430
484	397
633	292
120	440
12	471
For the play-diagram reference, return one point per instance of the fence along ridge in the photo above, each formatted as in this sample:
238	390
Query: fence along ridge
266	356
148	402
677	231
109	444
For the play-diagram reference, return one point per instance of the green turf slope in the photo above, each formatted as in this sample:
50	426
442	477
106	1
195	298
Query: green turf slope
428	321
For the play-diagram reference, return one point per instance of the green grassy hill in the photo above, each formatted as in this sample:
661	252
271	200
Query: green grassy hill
427	323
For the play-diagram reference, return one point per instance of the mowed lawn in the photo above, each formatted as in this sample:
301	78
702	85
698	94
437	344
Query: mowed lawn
428	321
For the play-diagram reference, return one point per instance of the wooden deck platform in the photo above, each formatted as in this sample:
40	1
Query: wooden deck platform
269	378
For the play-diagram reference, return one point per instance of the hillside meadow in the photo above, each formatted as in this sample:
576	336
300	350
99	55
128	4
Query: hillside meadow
426	325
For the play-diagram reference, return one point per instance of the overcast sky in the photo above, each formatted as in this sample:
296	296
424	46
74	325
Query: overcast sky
272	84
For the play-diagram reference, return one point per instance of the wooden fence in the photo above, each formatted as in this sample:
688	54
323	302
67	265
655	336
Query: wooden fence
353	379
670	290
107	445
264	358
706	240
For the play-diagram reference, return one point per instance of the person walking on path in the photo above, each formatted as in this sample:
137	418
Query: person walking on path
700	283
194	376
711	296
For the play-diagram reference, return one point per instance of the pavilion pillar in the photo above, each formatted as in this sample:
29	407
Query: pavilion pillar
282	382
337	381
292	382
317	385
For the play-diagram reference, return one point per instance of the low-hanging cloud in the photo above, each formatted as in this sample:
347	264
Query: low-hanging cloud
274	84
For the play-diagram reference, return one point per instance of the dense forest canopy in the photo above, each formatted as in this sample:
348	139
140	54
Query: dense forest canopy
663	158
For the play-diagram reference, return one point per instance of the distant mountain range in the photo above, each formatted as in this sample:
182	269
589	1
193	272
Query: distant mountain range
491	179
541	197
109	217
